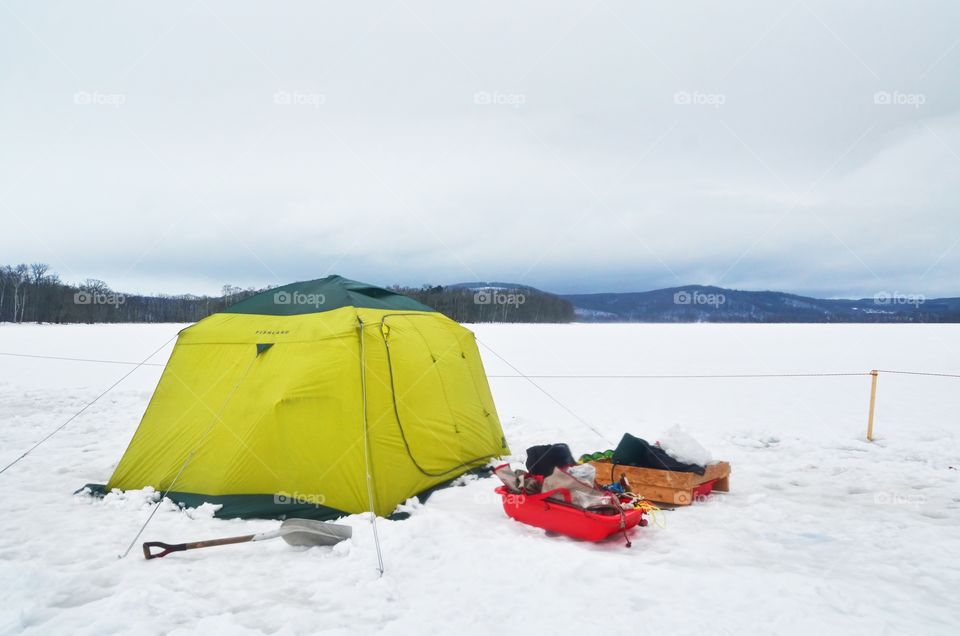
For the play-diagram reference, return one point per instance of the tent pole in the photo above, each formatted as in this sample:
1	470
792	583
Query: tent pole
366	449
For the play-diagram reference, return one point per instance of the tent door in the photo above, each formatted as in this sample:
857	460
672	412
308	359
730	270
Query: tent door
432	386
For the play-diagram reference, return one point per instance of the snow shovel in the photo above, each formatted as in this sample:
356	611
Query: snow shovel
294	531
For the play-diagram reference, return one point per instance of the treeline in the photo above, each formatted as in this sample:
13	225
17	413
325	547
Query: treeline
492	304
32	293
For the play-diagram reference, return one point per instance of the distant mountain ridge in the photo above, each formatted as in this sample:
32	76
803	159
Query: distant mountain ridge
699	303
500	285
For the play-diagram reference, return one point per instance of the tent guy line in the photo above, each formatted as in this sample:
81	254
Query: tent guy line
545	392
65	358
193	452
527	376
519	375
88	404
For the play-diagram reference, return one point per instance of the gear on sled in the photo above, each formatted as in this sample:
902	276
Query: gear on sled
563	504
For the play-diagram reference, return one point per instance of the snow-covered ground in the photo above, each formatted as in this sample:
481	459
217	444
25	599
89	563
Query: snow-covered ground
821	533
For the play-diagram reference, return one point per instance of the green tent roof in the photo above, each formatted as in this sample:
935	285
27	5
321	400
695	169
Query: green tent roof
323	294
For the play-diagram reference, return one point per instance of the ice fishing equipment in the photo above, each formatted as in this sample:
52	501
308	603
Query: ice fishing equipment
654	474
666	486
566	505
299	532
316	400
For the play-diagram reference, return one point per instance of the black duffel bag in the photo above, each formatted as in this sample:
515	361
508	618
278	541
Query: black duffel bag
541	460
633	451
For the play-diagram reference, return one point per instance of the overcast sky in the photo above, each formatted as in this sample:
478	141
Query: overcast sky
809	146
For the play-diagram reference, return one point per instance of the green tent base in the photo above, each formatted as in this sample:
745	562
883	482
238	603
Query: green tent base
267	506
243	506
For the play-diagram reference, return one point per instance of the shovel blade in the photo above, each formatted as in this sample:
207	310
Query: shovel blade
309	532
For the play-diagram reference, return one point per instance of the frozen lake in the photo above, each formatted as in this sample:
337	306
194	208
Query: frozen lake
822	531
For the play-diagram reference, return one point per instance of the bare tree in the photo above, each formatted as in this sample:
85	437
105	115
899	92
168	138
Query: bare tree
19	278
95	286
38	272
230	294
6	277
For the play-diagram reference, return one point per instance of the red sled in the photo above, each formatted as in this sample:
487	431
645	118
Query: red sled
565	518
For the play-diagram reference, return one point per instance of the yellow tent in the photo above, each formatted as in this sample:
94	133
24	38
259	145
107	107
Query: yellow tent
315	399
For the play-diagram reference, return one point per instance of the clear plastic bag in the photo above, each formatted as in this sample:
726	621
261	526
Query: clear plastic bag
587	473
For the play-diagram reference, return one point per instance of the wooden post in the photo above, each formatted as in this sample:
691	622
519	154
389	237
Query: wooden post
873	403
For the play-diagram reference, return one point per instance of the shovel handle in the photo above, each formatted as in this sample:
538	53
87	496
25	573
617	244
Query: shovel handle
166	548
180	547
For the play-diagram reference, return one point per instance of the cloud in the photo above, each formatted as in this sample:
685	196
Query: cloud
575	148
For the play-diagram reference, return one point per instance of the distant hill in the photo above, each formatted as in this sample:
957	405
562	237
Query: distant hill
493	302
698	303
499	285
33	293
